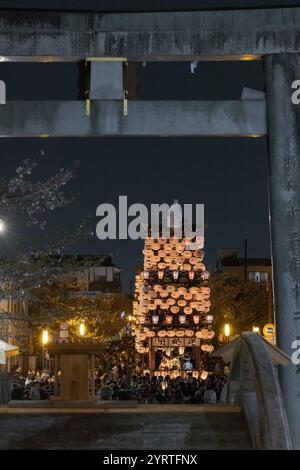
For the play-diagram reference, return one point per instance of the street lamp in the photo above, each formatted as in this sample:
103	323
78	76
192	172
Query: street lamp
227	331
45	338
82	329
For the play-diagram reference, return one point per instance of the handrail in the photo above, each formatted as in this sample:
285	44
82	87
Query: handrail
253	383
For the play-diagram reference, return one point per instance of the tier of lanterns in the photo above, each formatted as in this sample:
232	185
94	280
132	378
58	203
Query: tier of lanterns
172	296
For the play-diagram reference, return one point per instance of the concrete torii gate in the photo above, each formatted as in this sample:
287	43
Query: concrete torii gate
271	35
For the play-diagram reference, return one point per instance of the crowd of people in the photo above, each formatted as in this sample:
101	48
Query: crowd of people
147	389
33	386
117	385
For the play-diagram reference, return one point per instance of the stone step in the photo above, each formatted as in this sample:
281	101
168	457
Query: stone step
127	429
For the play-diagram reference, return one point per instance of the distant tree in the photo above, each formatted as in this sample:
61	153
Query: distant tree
64	302
36	256
31	199
242	304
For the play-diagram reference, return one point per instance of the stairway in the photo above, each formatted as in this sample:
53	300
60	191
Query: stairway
157	427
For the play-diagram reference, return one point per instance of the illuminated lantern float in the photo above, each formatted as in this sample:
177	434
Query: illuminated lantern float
171	306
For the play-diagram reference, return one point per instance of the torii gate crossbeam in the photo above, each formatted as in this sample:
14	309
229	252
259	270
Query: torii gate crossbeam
271	34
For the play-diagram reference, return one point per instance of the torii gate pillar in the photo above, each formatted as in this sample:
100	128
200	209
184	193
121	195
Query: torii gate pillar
283	119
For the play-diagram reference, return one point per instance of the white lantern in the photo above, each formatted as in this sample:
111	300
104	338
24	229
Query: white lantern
204	375
169	319
181	350
182	319
196	319
205	275
209	318
160	274
146	274
175	274
155	319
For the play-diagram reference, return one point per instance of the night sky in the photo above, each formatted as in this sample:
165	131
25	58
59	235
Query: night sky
227	175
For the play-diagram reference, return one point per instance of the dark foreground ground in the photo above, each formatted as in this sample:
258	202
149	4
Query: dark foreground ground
156	427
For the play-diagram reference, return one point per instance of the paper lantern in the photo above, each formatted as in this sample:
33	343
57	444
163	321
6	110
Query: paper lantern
155	319
171	333
181	350
141	336
180	248
194	290
188	296
150	334
170	288
196	319
152	306
169	319
161	265
141	319
179	333
204	375
189	333
157	287
174	309
191	275
155	246
162	333
181	319
146	274
188	310
163	293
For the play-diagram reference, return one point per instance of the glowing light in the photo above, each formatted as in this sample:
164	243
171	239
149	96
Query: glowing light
82	329
204	375
227	330
2	226
45	337
164	385
255	329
